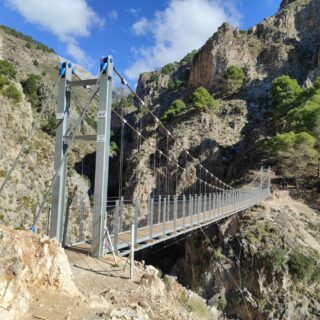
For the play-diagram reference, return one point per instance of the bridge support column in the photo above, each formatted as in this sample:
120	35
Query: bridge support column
102	156
59	186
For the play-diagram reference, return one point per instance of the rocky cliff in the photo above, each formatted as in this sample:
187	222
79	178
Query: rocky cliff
34	62
285	44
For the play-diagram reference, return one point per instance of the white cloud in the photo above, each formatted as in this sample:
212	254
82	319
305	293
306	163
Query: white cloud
141	27
113	15
68	20
134	11
183	26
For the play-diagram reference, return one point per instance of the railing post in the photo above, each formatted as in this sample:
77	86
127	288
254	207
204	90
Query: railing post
136	217
205	207
191	209
184	211
82	209
48	220
164	211
116	227
198	208
210	206
175	212
121	216
159	210
132	245
151	218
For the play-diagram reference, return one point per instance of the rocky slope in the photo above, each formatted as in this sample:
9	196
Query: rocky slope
31	178
287	43
262	264
37	282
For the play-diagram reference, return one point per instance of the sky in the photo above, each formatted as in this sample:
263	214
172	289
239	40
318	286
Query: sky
142	35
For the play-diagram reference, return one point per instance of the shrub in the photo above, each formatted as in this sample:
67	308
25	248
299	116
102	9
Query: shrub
301	267
50	126
154	77
234	78
197	306
189	57
202	100
276	258
31	84
113	147
168	68
4	81
294	152
174	85
177	107
12	93
284	92
28	45
35	63
43	73
7	69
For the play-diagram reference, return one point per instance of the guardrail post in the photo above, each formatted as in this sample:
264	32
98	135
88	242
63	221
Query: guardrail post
191	209
159	210
184	211
116	227
198	207
81	223
136	217
205	207
210	205
164	212
121	215
151	218
132	245
175	212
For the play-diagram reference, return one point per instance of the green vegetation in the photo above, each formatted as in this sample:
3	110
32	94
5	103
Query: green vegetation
12	93
202	100
168	68
284	92
189	57
234	79
122	103
197	306
31	84
276	258
176	108
174	85
154	77
295	152
4	81
113	147
7	69
297	112
31	89
301	267
35	63
50	126
222	301
29	40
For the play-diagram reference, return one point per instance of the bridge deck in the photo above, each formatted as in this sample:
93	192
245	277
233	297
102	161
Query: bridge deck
154	234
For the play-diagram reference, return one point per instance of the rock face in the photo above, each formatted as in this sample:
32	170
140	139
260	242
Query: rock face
29	181
244	265
29	264
287	43
225	142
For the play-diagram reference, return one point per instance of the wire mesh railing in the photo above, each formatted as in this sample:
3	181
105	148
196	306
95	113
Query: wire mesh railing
165	216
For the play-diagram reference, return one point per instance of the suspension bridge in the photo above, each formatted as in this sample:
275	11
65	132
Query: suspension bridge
121	225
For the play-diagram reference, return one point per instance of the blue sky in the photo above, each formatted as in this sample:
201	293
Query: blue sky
141	34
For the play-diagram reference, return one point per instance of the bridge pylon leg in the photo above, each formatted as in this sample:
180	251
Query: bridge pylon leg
102	157
59	186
